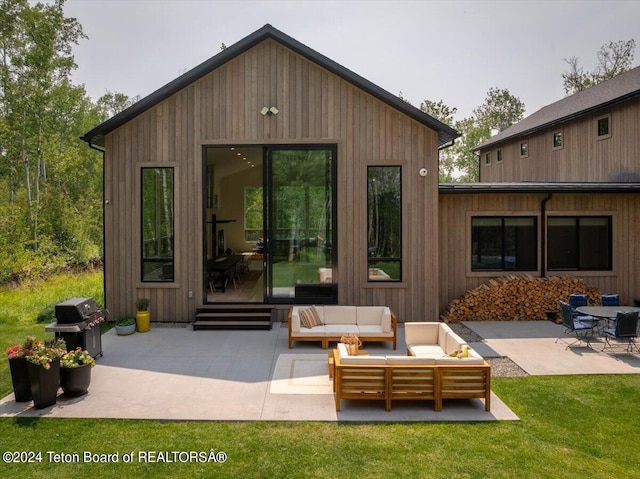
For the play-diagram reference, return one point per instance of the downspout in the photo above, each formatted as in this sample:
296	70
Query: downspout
104	263
543	245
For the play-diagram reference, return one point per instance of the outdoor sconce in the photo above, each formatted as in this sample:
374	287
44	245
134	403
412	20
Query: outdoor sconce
423	172
269	111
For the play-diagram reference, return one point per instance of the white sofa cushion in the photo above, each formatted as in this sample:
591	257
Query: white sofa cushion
426	350
365	331
343	352
421	333
339	315
315	331
340	329
453	342
374	316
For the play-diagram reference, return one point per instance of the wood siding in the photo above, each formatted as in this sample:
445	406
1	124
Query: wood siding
456	211
583	157
315	107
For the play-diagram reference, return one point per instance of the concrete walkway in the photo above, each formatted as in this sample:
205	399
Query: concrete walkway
181	374
532	346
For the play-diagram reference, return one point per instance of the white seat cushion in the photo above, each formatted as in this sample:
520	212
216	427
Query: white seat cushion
315	331
427	350
340	329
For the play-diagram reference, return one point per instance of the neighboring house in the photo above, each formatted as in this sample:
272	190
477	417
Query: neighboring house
559	194
591	136
325	184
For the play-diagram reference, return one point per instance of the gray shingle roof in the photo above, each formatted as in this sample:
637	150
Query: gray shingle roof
446	134
617	89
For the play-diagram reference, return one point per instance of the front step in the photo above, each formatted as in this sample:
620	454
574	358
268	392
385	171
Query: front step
234	319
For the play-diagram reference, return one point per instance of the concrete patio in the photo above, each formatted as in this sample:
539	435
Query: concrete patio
181	374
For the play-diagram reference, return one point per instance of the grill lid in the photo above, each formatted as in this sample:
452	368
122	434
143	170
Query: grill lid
75	310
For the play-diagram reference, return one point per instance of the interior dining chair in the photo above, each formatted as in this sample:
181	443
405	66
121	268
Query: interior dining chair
583	332
626	330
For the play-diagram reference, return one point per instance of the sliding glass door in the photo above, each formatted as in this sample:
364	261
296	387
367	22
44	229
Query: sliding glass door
300	224
270	224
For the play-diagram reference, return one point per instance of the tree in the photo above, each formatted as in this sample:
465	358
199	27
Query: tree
613	58
50	183
112	103
499	111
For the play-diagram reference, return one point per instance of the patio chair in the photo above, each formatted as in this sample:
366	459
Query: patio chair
575	301
611	300
583	332
626	329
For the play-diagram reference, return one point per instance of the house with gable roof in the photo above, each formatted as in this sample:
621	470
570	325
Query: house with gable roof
270	175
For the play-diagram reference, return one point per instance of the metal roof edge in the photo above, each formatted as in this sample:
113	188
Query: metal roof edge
538	187
446	134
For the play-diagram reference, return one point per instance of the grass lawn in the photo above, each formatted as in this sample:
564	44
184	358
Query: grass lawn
571	426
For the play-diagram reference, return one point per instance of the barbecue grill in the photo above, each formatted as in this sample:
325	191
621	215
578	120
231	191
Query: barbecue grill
78	323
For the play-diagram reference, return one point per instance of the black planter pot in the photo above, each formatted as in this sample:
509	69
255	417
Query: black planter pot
44	383
20	379
75	381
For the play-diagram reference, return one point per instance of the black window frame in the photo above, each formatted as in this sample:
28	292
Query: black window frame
603	120
164	262
577	247
524	149
503	255
557	140
373	261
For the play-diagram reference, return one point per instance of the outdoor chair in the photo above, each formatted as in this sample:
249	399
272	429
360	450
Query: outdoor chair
626	329
611	300
581	331
577	300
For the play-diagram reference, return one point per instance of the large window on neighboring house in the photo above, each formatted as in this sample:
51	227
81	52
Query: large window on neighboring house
504	243
384	223
157	225
579	243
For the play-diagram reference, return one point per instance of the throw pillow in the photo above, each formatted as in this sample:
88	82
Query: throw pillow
309	317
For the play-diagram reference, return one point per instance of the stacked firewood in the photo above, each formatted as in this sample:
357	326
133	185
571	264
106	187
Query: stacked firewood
517	298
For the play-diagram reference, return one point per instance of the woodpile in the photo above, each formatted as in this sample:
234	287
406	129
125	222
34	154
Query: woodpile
517	298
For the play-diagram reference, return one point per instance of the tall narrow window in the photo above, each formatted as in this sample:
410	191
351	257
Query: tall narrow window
384	223
499	156
487	158
157	225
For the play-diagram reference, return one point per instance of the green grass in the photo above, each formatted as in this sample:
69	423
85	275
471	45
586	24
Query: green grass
571	426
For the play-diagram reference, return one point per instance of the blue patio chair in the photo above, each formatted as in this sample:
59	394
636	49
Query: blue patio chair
575	301
610	300
583	332
626	329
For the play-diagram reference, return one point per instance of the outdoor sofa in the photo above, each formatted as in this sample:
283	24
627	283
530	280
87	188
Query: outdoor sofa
428	372
330	323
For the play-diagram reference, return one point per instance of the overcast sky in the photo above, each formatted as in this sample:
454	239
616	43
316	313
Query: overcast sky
454	50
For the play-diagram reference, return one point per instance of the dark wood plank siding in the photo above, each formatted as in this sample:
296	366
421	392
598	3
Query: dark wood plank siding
315	107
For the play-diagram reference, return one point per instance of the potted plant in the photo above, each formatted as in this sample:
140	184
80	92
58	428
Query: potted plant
75	372
17	356
143	317
125	325
43	365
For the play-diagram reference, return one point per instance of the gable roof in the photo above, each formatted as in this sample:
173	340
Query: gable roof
446	134
617	89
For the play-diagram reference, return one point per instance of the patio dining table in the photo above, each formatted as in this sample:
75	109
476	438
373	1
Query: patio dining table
605	311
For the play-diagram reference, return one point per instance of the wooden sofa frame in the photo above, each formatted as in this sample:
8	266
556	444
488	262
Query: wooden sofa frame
324	340
392	382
